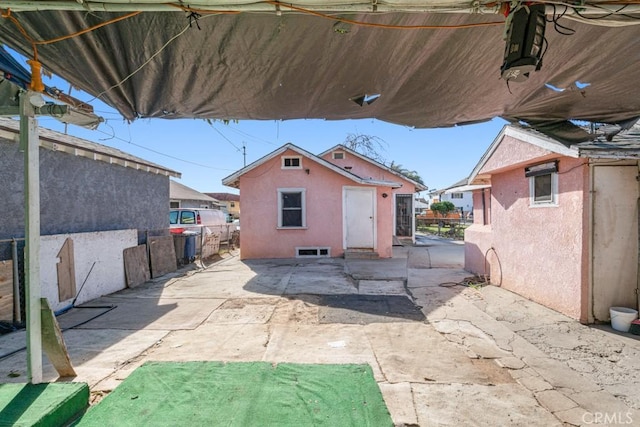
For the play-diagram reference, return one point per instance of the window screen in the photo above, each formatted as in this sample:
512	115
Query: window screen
291	209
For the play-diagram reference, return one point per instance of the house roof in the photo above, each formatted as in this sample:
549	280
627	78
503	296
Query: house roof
225	197
233	180
179	191
419	186
452	187
434	63
56	141
623	145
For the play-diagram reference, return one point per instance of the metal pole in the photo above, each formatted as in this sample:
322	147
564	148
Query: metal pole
29	143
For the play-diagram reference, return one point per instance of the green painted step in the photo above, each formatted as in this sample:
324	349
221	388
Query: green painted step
49	404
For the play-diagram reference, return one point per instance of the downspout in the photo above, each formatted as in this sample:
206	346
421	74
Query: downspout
638	226
17	312
484	209
591	256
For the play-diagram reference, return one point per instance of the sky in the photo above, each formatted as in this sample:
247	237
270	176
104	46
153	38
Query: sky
204	153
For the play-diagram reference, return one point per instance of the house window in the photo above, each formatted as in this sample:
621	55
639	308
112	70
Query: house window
174	205
338	155
544	189
292	162
291	208
232	204
456	195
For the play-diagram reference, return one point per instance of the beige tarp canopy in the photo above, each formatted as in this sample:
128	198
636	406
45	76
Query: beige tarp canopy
284	64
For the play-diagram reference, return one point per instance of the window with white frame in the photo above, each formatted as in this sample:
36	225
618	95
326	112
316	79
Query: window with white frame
291	162
291	208
338	155
543	184
456	195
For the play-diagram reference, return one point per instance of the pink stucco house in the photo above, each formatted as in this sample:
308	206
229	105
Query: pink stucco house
297	204
557	222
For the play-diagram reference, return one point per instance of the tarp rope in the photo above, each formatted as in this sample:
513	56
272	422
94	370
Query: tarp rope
36	67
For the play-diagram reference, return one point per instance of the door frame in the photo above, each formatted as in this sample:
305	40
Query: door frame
413	214
591	302
374	223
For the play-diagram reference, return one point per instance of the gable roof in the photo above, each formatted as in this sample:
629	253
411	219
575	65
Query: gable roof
419	186
233	179
626	145
57	141
521	134
225	197
179	191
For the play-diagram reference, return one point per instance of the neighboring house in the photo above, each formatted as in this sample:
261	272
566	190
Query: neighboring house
182	196
297	204
230	201
558	222
100	197
420	205
461	198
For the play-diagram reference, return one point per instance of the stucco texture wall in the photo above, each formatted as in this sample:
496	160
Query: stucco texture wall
513	153
541	250
80	195
324	214
366	169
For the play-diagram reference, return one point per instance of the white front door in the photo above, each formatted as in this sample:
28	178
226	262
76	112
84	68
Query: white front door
359	217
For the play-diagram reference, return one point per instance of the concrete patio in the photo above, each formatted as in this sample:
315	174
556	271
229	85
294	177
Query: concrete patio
443	353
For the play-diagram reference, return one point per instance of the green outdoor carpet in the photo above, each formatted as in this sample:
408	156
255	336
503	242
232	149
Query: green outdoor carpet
243	394
42	405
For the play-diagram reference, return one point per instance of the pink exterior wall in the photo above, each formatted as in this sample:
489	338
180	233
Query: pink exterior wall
542	251
365	169
477	237
324	213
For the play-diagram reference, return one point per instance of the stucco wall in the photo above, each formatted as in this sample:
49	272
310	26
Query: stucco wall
98	259
365	169
80	195
324	213
513	153
541	250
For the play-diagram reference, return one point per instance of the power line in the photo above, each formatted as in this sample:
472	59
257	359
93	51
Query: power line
113	136
226	139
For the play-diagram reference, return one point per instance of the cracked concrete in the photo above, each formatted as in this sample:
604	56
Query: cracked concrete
442	353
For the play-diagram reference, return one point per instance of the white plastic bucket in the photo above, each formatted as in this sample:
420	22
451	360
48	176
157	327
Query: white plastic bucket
621	318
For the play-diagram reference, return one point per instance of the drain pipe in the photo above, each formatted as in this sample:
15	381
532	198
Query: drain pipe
638	225
17	313
590	300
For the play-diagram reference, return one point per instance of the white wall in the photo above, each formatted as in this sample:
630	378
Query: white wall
465	203
104	248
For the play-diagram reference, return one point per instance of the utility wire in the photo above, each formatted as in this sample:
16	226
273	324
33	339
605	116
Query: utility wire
112	136
227	139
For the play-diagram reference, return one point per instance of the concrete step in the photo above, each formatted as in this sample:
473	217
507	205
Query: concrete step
360	254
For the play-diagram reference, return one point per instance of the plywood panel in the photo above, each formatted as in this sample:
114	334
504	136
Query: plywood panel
6	290
53	342
163	255
210	245
136	265
66	271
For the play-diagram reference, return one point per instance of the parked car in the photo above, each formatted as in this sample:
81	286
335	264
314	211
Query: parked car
209	221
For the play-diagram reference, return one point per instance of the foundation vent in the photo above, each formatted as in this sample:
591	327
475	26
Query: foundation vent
313	252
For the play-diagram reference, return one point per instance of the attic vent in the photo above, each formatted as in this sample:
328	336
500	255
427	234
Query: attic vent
315	252
338	155
289	162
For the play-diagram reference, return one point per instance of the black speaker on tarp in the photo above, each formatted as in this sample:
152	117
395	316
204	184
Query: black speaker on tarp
525	37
